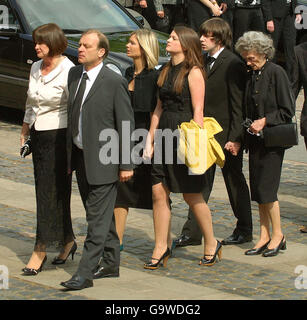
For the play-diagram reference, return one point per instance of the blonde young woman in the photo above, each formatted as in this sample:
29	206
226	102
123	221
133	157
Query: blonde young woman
142	76
181	98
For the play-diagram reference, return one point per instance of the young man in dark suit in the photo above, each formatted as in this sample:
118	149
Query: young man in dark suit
299	80
225	85
98	105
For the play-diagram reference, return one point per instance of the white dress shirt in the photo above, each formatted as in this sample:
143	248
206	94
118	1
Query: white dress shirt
215	56
92	75
46	105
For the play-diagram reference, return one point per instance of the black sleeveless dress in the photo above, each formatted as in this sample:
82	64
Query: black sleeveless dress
177	108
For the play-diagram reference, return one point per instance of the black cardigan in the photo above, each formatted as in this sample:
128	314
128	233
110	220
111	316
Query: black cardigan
145	89
272	95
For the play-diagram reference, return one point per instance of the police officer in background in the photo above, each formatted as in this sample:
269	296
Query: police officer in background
247	17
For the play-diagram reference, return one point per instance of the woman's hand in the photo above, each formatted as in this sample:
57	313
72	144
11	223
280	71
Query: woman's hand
216	11
233	147
125	175
25	132
149	148
257	125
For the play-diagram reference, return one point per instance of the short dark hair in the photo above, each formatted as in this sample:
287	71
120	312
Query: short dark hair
52	36
219	29
103	40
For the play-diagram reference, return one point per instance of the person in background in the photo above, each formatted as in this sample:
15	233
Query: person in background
45	121
143	48
171	11
279	17
181	98
248	16
225	86
299	80
269	101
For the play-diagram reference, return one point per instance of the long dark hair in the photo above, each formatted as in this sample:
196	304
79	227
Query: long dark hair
191	47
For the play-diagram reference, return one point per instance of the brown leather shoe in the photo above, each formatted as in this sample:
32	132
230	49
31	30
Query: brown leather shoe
303	229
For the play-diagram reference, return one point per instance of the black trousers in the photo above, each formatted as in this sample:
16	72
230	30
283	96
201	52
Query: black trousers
238	194
101	240
284	30
247	19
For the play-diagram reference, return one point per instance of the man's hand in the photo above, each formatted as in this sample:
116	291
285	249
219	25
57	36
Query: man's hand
233	147
125	175
223	7
270	26
143	4
160	14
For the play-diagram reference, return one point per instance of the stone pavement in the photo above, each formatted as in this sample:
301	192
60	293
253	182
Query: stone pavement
236	277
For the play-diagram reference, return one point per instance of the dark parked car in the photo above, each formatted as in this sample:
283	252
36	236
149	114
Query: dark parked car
21	17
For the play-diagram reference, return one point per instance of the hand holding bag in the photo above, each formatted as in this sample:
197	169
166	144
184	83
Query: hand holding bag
198	149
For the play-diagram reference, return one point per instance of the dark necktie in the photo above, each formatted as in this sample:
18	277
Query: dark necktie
209	62
77	106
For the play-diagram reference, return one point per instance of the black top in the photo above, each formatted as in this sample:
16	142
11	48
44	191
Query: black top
145	88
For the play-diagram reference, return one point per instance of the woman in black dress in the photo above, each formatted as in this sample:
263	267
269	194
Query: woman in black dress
143	48
269	101
181	99
46	122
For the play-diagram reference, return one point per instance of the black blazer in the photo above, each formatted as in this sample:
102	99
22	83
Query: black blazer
300	79
277	8
272	95
224	95
105	107
145	89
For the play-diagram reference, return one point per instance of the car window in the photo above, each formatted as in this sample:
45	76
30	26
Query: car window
75	16
7	18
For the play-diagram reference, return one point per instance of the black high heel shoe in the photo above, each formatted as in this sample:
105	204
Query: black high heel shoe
72	251
274	252
33	272
211	262
153	266
256	251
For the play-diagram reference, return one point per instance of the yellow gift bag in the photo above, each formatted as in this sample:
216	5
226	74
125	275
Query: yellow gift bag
198	149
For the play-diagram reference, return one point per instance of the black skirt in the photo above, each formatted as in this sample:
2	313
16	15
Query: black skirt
265	166
137	192
53	189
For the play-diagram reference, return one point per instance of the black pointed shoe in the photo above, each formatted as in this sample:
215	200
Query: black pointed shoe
274	252
34	272
184	241
236	239
256	251
77	282
72	251
103	272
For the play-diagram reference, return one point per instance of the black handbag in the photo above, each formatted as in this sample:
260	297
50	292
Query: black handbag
282	135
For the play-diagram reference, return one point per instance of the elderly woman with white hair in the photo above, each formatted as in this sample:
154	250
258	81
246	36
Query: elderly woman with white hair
268	102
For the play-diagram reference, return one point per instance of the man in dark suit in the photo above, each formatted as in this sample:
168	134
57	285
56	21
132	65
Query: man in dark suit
299	80
223	100
279	16
98	105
